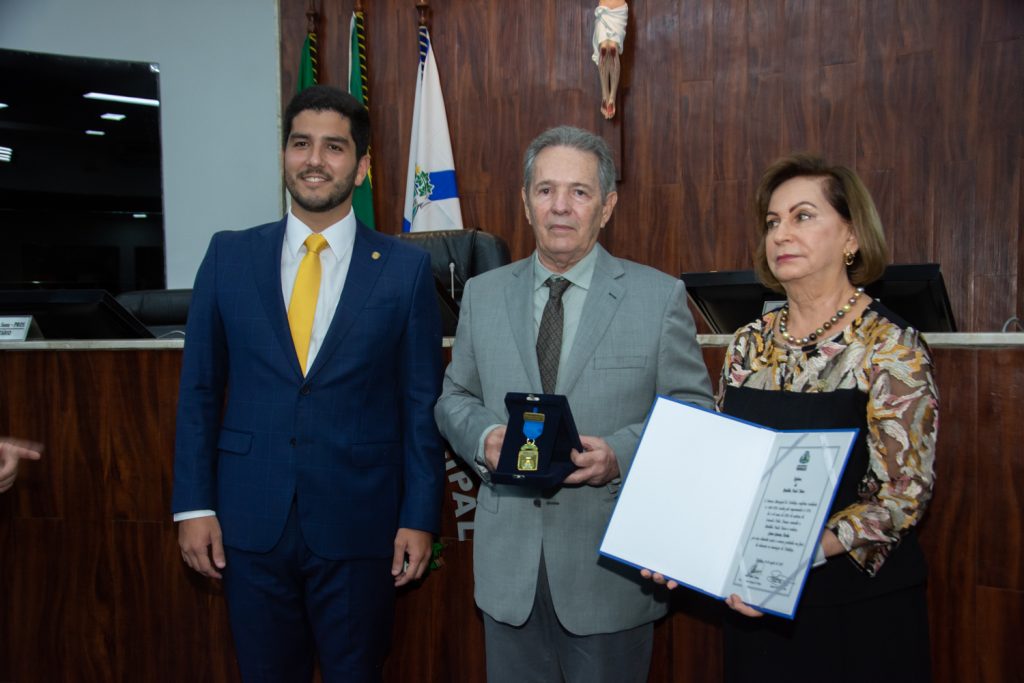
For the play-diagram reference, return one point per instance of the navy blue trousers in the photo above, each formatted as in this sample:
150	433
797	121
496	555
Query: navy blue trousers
289	606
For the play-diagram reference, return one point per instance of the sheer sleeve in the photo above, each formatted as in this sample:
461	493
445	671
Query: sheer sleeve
736	366
903	421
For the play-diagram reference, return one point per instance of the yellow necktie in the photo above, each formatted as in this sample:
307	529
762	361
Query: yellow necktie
304	295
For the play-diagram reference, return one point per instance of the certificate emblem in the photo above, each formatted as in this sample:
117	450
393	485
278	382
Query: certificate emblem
533	427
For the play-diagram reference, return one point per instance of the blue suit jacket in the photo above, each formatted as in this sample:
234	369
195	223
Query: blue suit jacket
354	441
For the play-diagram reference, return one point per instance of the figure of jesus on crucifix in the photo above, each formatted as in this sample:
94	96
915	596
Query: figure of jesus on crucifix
610	19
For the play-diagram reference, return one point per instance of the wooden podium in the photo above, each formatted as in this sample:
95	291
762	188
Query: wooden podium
93	588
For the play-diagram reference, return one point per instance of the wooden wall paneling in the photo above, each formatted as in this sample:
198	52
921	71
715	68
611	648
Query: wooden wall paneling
661	100
841	23
999	628
7	567
138	495
892	88
877	125
475	141
438	633
768	119
876	122
164	610
1001	472
116	603
955	228
656	213
998	230
803	35
568	33
916	25
692	646
1019	308
731	80
63	601
505	215
733	249
839	106
41	491
1003	19
911	235
767	107
696	26
881	184
882	31
699	232
949	530
957	55
462	656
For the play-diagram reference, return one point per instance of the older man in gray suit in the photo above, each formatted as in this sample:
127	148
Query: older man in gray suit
621	334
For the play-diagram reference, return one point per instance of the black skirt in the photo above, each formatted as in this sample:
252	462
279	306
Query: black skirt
849	626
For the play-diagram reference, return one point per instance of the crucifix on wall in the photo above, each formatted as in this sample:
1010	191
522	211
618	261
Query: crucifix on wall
610	18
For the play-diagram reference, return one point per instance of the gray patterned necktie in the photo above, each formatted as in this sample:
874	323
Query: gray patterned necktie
549	337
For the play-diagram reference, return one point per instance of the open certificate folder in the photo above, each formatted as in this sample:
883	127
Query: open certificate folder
725	506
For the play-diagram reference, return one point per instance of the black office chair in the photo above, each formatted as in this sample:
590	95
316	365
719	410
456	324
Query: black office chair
163	311
457	255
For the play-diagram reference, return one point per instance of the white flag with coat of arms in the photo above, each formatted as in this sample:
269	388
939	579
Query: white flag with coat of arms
431	198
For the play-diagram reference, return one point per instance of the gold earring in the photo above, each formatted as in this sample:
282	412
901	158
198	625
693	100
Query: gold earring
848	257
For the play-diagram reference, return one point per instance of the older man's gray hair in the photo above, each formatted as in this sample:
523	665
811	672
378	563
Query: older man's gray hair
576	138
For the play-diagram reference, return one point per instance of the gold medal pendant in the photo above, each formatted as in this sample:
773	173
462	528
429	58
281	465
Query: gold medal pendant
527	461
533	427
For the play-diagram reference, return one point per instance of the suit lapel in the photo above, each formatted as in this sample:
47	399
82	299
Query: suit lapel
266	258
519	304
603	299
363	271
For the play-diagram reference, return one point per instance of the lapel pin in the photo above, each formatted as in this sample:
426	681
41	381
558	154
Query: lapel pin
375	255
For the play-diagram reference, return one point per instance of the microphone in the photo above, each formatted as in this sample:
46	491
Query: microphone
451	273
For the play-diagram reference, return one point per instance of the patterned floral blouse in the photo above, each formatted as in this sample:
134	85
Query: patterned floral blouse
892	365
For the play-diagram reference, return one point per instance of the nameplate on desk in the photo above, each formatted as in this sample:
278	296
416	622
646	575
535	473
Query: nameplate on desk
17	327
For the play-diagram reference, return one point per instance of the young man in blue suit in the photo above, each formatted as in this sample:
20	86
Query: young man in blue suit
308	469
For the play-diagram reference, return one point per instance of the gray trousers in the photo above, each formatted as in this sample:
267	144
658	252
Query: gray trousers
542	651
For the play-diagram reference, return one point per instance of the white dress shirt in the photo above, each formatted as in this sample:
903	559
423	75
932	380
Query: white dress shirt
334	262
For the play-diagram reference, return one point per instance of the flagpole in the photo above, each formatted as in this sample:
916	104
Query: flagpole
431	191
311	19
359	87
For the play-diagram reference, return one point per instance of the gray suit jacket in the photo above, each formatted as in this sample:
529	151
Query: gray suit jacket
635	340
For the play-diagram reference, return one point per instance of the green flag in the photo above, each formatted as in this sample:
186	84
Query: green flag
308	63
362	198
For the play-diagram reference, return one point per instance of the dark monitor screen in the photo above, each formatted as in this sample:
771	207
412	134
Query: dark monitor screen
74	313
729	300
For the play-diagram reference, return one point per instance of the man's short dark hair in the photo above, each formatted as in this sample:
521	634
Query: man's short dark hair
329	98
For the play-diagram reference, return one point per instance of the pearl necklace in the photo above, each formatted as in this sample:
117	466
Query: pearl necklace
827	325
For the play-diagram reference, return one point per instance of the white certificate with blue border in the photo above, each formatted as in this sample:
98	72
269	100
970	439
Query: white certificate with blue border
726	506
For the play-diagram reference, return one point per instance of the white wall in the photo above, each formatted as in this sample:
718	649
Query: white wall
220	101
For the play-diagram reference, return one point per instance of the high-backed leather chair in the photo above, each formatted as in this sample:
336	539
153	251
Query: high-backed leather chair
163	311
457	255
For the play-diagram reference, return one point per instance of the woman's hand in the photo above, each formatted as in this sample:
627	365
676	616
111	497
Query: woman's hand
658	579
736	603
